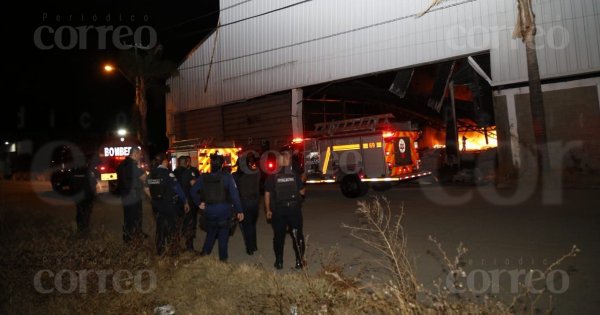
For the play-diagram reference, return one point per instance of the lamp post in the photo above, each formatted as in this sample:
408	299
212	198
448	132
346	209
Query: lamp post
109	68
142	72
139	101
139	83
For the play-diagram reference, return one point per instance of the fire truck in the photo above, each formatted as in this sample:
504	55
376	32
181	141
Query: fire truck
360	152
110	155
230	155
201	150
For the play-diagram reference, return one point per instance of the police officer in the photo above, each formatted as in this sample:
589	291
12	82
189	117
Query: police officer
214	193
83	185
284	193
166	194
130	178
186	176
247	179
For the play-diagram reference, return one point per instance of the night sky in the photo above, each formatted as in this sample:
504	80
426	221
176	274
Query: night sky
61	93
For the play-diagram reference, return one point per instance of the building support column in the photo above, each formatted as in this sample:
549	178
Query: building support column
297	121
511	109
170	119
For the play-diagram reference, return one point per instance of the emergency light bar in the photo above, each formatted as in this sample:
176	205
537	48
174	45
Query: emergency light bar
388	134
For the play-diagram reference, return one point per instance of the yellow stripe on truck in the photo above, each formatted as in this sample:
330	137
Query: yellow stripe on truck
204	158
326	161
203	164
346	147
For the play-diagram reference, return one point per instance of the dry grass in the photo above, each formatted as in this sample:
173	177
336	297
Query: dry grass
196	285
382	230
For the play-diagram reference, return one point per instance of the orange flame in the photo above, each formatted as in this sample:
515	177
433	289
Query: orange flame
475	141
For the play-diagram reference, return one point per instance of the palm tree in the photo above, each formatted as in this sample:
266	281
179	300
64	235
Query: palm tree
148	70
526	31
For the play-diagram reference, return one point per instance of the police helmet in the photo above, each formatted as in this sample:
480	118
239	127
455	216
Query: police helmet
216	161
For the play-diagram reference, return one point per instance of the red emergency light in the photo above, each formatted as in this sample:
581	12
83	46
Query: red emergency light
388	134
297	140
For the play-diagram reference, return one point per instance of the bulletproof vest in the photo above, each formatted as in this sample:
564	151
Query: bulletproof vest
286	189
213	190
159	185
248	187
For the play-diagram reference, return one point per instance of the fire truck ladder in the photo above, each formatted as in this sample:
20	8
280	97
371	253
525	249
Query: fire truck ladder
207	142
185	144
367	123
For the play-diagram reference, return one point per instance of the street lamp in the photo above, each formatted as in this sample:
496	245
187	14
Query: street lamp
136	79
109	68
139	86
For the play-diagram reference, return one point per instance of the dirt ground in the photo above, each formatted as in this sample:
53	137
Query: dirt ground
506	229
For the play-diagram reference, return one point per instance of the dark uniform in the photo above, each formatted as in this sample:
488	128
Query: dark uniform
166	196
286	204
218	191
131	190
189	221
83	185
248	184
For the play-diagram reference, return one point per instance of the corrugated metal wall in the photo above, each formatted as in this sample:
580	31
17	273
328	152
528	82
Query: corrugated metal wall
246	123
325	40
267	118
199	124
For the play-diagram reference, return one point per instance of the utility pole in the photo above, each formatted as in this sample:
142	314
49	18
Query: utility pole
141	71
526	30
141	105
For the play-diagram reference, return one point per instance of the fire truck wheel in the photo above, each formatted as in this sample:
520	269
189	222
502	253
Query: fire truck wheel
353	187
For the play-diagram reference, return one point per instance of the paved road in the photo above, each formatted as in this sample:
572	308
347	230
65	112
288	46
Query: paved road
501	234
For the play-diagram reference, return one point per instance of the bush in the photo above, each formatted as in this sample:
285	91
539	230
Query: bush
195	285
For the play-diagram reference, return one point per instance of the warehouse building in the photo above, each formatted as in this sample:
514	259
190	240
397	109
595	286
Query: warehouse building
274	68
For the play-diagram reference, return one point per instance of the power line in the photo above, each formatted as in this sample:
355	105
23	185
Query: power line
326	36
244	19
204	15
265	13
